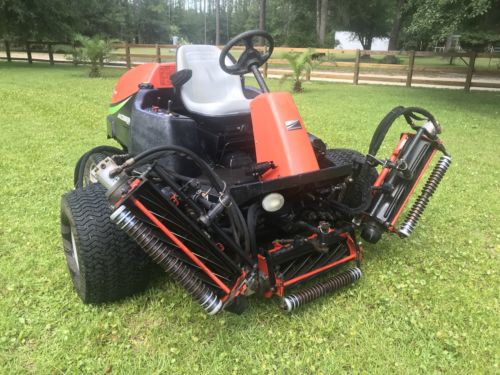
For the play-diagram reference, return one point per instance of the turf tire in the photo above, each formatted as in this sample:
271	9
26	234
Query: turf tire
88	160
105	265
359	190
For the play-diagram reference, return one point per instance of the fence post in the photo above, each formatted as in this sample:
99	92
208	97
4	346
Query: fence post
470	71
28	52
411	63
75	59
308	75
158	53
51	53
7	50
356	67
127	56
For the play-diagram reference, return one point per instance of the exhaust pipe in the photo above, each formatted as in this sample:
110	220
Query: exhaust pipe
164	257
313	292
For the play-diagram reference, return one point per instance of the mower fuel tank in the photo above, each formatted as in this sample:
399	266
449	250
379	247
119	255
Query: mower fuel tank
152	127
280	136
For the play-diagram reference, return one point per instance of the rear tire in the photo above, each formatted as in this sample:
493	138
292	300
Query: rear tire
88	161
359	191
104	263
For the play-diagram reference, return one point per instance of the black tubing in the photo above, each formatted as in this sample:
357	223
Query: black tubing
213	177
252	216
220	185
382	129
162	173
409	114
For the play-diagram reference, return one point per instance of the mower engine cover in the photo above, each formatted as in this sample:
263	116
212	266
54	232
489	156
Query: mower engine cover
280	136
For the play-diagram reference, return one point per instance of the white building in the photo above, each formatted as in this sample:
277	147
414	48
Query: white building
349	41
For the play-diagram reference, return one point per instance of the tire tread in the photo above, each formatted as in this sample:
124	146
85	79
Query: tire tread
111	265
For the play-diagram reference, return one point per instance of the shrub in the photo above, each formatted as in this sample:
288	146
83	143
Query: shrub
95	51
300	63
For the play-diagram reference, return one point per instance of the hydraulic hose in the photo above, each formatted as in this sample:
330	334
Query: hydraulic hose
252	216
213	177
386	123
215	180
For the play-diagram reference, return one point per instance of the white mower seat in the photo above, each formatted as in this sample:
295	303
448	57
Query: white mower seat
210	91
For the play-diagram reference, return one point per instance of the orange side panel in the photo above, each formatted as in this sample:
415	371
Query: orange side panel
158	74
280	136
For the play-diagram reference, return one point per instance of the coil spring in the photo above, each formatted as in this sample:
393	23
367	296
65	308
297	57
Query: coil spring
163	256
294	301
429	188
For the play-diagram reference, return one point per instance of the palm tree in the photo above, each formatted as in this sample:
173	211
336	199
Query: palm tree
300	63
95	51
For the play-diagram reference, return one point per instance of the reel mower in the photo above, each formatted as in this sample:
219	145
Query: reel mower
221	186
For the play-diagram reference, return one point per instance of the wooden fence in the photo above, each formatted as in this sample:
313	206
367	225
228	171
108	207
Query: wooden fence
333	68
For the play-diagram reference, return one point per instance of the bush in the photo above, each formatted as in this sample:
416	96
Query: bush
95	51
300	63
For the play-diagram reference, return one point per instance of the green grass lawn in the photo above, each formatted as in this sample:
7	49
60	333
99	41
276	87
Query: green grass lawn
428	304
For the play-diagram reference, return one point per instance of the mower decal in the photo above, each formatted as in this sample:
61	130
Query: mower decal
115	108
124	118
293	125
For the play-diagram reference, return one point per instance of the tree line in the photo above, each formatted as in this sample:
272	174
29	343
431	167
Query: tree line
410	24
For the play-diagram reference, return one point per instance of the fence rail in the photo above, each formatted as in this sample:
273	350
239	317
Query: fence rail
129	55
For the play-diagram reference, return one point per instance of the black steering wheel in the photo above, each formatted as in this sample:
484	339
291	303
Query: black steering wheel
250	55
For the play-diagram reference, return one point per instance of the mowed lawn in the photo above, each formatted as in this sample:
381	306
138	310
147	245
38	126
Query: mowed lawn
428	304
